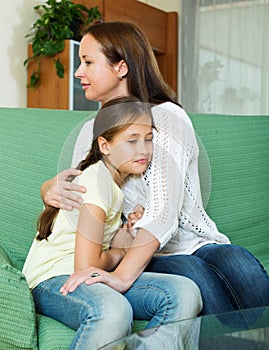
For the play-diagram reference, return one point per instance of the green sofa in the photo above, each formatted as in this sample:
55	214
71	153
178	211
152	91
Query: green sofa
32	141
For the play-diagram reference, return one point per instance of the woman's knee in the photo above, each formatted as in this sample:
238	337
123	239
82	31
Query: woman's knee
229	257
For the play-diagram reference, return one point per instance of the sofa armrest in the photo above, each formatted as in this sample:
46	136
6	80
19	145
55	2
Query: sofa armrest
17	312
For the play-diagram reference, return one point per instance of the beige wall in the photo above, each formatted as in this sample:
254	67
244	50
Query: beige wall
16	18
165	5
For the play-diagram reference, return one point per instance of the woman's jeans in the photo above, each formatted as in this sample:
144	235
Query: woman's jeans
101	315
229	276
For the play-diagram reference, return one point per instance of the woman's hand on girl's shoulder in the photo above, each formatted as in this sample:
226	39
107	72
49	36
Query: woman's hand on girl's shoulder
59	193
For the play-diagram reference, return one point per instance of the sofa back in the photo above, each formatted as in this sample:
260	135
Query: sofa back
238	150
33	140
31	143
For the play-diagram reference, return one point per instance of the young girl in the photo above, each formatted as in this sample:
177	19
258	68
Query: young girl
69	242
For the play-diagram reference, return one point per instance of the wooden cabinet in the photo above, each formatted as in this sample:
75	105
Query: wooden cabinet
160	27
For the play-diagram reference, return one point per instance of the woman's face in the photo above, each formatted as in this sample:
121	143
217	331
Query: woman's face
98	79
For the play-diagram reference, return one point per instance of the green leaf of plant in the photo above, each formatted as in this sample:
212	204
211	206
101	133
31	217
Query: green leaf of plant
34	80
59	68
59	20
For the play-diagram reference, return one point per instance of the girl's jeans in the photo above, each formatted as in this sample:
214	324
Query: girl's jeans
229	276
101	315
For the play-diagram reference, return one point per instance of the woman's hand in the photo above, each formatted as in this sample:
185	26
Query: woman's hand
59	193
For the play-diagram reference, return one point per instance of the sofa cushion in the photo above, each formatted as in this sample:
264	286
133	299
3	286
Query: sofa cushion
16	304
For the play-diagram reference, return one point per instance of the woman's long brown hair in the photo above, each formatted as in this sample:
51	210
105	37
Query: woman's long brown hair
121	40
115	116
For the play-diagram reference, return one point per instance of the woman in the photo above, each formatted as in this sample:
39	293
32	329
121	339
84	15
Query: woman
69	242
116	59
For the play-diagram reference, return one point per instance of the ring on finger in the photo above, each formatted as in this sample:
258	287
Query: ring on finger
95	274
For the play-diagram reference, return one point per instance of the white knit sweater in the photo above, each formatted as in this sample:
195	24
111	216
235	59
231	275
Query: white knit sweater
170	189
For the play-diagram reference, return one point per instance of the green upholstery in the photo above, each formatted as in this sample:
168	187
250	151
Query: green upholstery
16	304
238	149
32	141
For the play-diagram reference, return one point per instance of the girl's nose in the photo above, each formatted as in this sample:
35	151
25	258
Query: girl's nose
143	147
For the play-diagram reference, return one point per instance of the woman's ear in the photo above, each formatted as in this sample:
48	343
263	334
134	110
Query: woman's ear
104	146
121	69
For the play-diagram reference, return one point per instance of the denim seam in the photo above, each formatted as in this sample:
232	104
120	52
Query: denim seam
218	273
160	291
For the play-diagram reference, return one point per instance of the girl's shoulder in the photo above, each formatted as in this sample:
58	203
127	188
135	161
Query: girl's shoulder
94	170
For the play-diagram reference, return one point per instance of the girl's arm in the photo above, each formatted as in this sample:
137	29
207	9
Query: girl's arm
89	241
134	262
128	270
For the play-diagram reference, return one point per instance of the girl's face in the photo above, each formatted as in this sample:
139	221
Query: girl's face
130	151
99	80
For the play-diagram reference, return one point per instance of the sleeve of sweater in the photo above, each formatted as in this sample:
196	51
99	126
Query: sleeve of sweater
83	143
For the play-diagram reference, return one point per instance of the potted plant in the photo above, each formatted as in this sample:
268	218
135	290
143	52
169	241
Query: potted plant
59	21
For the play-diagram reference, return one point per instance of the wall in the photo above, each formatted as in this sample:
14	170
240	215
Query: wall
16	18
171	5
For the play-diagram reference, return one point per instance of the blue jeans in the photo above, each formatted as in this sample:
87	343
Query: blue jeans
101	315
229	276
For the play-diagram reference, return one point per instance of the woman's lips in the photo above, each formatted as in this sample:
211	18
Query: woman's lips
85	86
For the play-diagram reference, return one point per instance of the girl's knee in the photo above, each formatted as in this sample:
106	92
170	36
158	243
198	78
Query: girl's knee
121	311
180	296
189	297
115	315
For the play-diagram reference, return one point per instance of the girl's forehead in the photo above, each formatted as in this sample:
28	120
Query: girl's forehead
141	123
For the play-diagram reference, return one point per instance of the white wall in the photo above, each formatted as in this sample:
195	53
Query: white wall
16	18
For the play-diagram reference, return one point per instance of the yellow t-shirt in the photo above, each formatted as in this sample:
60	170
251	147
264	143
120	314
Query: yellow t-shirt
55	256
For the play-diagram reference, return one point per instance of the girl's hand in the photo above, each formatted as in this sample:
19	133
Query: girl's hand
137	214
76	279
121	279
59	193
123	238
91	276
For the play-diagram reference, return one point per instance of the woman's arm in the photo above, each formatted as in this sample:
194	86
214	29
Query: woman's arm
60	193
89	241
